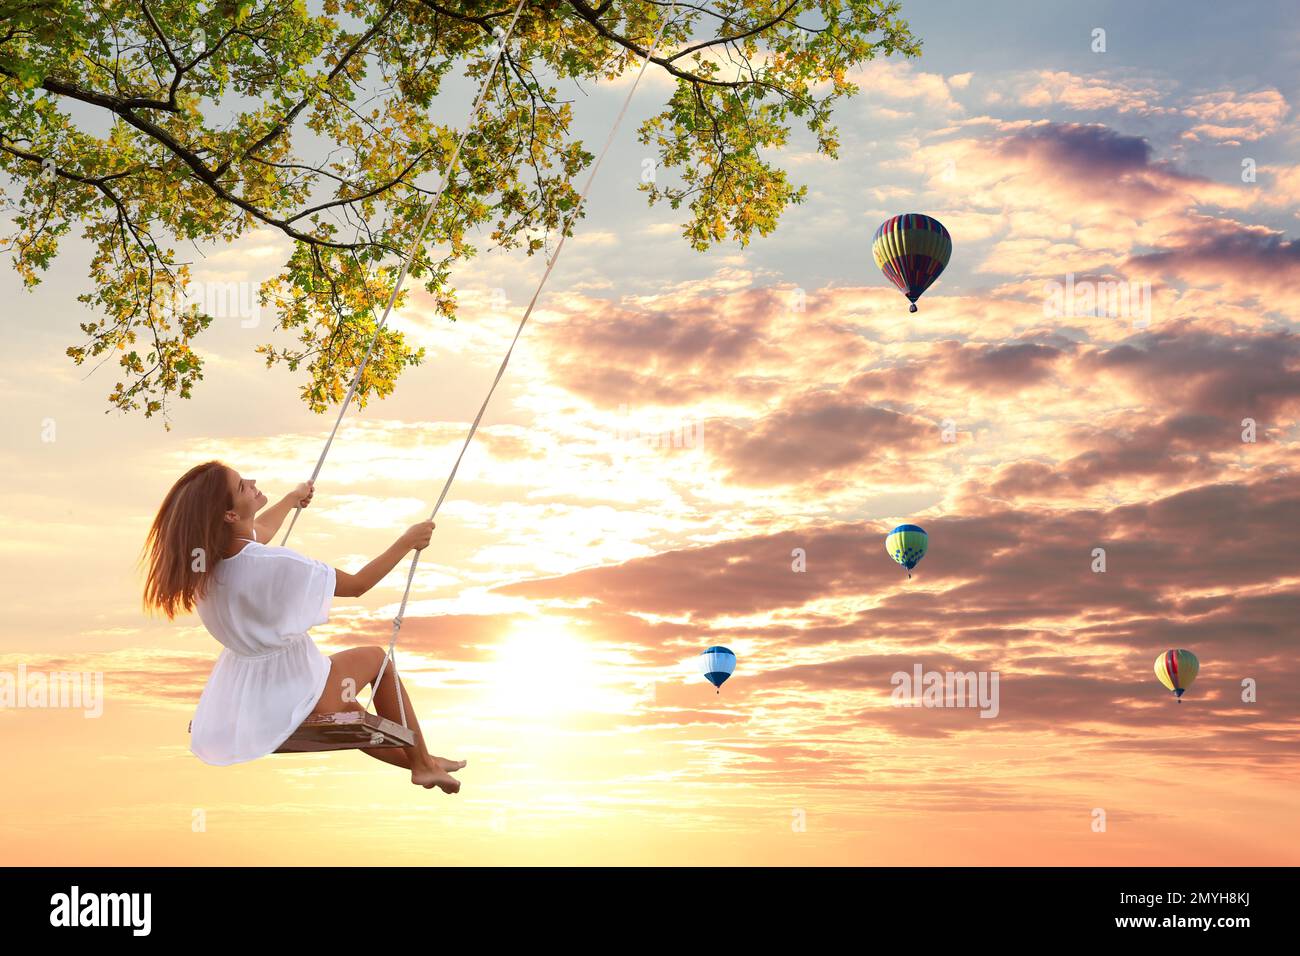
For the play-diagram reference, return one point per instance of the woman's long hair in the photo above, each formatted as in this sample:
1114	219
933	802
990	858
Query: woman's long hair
188	539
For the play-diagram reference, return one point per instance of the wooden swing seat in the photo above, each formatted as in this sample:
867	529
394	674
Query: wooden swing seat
347	730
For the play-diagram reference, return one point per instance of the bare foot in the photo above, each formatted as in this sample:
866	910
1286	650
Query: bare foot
448	766
434	776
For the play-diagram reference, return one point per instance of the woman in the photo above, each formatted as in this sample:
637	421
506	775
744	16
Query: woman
205	552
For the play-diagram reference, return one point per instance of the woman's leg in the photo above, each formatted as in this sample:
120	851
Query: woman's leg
357	667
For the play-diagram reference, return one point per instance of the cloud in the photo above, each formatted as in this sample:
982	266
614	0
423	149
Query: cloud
996	368
1253	262
812	435
664	355
902	82
1227	115
1047	88
1236	116
1220	376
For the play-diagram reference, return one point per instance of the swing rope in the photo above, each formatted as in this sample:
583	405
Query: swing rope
582	198
550	265
502	40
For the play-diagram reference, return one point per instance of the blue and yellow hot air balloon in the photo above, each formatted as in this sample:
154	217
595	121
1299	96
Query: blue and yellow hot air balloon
1177	669
906	544
717	664
911	250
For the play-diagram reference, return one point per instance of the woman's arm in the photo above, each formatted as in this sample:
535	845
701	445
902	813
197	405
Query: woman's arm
354	585
269	521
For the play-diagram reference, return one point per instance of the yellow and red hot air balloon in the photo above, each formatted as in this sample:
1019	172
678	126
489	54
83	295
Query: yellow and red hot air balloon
911	250
1177	669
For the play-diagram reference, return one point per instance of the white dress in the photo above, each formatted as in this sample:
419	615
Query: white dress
260	604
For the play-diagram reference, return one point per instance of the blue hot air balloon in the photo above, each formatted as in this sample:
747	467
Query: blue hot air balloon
716	664
907	545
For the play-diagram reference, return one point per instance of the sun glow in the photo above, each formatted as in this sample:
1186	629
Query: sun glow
542	670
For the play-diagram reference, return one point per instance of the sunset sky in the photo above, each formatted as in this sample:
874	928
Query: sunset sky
577	572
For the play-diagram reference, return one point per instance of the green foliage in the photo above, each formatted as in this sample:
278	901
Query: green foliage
152	124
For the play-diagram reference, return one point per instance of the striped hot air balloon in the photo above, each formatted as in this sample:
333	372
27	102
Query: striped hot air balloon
1177	669
717	664
911	250
907	544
